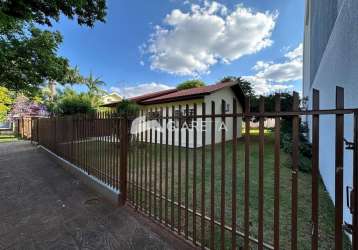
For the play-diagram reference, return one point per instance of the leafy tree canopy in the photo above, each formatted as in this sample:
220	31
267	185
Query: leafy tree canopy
69	103
28	57
6	99
94	85
190	84
127	107
245	85
87	12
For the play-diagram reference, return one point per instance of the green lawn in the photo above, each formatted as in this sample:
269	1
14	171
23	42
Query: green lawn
326	208
7	138
96	150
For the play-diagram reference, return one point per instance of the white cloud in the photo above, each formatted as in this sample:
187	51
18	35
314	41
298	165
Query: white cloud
140	89
189	43
275	77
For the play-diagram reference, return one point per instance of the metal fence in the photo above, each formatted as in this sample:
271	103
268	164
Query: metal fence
238	191
94	143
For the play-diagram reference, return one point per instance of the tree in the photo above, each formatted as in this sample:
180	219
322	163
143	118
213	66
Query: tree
245	85
127	107
190	84
87	12
23	107
6	99
28	57
94	84
69	102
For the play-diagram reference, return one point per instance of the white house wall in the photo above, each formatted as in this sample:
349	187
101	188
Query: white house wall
338	66
226	94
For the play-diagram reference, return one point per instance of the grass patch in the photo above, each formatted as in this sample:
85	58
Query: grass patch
146	169
7	138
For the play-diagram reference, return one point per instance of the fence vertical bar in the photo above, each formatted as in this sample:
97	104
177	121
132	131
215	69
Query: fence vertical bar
186	172
355	186
247	174
339	169
146	193
203	165
161	166
141	163
155	169
172	171
295	152
123	160
166	186
315	169
261	175
212	179
234	174
150	175
277	174
194	170
223	172
179	168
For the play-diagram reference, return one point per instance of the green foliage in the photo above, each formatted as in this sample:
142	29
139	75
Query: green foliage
245	85
286	102
6	99
86	12
305	147
94	85
28	57
127	107
190	84
70	103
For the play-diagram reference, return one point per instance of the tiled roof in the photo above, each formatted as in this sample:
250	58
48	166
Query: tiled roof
152	95
186	93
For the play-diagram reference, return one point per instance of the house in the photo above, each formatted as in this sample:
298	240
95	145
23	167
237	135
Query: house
113	97
331	59
151	105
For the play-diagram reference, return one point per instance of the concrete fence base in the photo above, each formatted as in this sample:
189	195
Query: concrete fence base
93	183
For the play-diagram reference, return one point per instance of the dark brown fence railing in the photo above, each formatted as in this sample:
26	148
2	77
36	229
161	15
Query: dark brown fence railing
203	173
91	142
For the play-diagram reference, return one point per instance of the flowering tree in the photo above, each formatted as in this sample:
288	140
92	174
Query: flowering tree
23	107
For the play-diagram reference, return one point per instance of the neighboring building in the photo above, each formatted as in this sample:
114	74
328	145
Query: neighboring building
111	98
152	104
6	127
331	59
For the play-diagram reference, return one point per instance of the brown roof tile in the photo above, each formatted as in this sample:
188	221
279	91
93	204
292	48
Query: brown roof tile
187	93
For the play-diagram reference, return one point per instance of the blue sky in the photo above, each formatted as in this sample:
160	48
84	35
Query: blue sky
149	45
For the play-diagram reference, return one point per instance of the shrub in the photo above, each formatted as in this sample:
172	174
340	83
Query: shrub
75	104
190	84
127	107
305	147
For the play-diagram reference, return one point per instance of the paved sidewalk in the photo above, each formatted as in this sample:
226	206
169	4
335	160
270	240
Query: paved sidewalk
44	207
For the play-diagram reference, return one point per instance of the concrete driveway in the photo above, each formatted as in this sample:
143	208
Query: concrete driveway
44	207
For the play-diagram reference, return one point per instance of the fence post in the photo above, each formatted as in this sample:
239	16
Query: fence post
124	144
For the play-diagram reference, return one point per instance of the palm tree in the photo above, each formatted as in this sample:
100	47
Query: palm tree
93	84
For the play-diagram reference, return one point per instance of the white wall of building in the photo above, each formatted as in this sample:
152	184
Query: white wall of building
224	94
338	66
